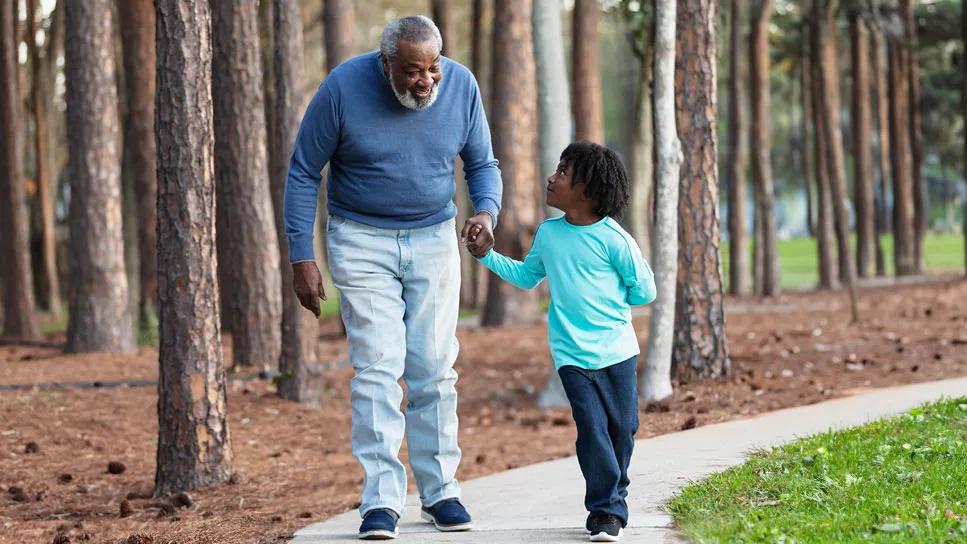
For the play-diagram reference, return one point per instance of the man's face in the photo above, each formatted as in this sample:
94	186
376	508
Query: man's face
415	74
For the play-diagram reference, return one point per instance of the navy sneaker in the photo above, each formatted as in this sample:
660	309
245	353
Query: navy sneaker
604	527
379	524
448	515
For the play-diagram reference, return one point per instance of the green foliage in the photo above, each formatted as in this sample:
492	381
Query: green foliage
900	480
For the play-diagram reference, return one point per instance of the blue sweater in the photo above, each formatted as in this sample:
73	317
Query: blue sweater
389	166
596	273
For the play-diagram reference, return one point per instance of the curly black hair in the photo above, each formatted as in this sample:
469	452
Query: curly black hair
604	177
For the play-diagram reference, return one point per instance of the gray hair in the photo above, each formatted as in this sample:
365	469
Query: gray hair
414	29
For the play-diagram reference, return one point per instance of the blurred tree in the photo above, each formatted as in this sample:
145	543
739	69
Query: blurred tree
883	146
18	291
916	134
98	319
339	27
738	150
248	250
513	117
443	17
586	73
761	143
828	265
138	38
904	257
862	145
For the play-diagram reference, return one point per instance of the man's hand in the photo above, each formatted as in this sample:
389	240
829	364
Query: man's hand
307	282
478	234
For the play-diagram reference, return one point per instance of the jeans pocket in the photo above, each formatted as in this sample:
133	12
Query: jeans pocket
333	223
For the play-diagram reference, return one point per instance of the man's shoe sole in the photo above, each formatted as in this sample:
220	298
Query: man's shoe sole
446	528
605	537
379	534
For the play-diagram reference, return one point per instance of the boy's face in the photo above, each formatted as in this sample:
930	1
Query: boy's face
562	192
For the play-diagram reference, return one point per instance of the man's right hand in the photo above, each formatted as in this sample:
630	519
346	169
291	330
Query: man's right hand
307	282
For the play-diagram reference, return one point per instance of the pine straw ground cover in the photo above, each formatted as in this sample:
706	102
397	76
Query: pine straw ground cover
295	465
902	480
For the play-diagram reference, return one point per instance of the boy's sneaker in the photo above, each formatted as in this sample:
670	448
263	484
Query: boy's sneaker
448	515
604	527
379	524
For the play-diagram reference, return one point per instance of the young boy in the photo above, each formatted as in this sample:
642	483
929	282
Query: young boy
596	273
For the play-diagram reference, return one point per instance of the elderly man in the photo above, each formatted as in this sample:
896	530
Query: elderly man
390	124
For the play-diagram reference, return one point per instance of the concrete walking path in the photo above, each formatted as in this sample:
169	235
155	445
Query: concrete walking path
543	503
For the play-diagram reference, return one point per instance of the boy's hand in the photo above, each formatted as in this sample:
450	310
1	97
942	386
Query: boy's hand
478	234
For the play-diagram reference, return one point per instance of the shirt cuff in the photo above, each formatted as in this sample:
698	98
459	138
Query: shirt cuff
300	249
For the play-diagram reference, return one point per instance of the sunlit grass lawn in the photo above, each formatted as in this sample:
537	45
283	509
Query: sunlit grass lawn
899	480
799	262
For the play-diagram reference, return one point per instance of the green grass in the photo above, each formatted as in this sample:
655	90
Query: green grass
898	480
799	262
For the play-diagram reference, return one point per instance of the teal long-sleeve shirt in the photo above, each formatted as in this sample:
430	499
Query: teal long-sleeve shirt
596	273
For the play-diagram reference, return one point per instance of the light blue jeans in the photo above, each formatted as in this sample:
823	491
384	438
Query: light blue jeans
399	296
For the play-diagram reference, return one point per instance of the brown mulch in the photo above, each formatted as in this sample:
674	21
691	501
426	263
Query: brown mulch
295	466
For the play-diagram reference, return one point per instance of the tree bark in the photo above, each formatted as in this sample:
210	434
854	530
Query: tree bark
554	108
701	349
194	444
476	39
862	148
137	35
835	161
248	247
586	73
514	121
49	283
17	282
762	146
904	258
883	142
299	363
920	204
738	151
656	380
339	26
98	318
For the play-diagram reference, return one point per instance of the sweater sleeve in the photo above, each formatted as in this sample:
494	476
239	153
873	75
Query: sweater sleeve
479	165
314	145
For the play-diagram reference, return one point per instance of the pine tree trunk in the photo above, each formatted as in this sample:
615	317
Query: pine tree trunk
963	105
98	318
514	121
248	249
762	146
904	260
339	23
299	363
642	157
48	287
862	148
656	379
17	282
194	445
920	207
738	150
586	73
828	265
835	161
883	141
701	349
137	34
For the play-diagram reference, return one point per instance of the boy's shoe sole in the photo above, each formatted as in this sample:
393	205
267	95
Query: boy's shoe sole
605	537
379	534
446	528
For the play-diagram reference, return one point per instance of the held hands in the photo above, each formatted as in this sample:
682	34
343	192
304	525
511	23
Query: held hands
307	282
478	234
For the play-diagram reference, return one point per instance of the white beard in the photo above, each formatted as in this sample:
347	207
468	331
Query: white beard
410	101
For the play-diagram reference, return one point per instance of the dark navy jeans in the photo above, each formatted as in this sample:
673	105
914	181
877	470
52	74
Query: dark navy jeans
604	404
